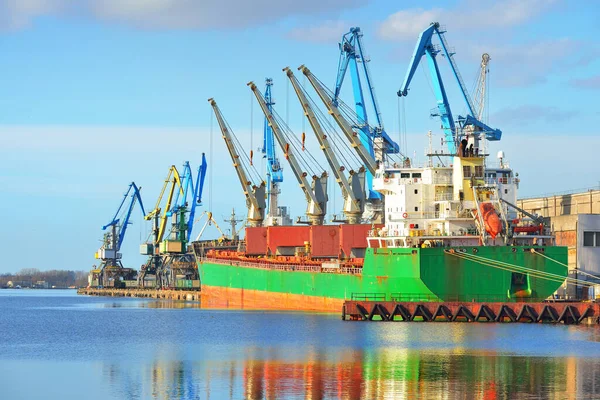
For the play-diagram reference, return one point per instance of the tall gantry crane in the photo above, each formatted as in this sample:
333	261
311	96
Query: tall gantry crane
469	124
352	54
111	269
353	191
274	173
154	266
253	190
316	191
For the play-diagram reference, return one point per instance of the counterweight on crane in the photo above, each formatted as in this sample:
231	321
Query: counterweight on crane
353	189
316	193
470	124
352	54
254	191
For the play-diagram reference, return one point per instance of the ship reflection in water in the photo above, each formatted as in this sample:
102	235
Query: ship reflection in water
359	374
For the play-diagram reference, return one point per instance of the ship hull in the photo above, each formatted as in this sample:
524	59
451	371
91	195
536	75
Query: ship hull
403	274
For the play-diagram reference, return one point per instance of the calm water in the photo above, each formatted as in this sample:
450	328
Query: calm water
54	344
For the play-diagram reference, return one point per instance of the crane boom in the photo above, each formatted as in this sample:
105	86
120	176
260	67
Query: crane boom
362	151
353	201
117	238
351	54
255	194
316	194
425	47
197	195
175	180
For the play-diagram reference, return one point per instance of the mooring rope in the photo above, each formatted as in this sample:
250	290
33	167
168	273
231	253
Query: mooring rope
516	268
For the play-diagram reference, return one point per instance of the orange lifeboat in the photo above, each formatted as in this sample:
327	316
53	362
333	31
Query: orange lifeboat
493	225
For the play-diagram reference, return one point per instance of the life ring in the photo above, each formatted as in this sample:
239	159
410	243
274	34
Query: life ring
405	215
386	180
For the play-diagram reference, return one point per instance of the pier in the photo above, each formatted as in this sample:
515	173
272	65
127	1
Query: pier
188	295
428	311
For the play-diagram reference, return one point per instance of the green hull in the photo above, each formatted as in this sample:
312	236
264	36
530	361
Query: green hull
407	274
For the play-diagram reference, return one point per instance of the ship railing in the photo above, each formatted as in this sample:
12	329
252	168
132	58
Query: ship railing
501	180
477	298
438	180
368	297
443	197
285	267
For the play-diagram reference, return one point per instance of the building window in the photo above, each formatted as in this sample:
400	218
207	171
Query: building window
591	239
466	171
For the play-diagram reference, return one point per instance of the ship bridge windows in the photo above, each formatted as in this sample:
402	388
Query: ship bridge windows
591	239
416	175
479	171
467	171
405	175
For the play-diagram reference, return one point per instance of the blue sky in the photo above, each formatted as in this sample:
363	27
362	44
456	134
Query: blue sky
96	94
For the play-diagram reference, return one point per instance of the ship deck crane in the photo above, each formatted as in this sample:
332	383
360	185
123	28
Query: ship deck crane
351	54
209	221
254	192
425	47
353	189
109	253
355	141
316	193
274	173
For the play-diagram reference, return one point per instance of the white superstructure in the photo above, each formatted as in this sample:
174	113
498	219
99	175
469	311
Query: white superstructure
456	205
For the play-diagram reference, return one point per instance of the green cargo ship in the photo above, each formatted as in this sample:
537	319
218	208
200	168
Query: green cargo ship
404	274
448	236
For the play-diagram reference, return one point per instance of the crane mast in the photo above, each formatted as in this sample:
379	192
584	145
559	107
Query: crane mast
352	192
274	174
351	135
255	194
481	86
316	193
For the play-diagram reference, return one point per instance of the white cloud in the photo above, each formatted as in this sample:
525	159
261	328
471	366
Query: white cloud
16	14
326	32
171	14
467	16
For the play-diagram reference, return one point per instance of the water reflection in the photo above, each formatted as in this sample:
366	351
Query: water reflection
359	374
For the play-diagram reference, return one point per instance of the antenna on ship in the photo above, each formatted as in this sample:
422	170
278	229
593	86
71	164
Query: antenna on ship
233	222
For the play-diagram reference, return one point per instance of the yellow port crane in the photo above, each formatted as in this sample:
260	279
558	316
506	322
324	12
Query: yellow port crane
153	266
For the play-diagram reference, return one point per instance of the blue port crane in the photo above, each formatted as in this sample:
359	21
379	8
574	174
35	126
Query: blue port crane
111	271
470	123
200	177
352	54
181	229
274	173
110	249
